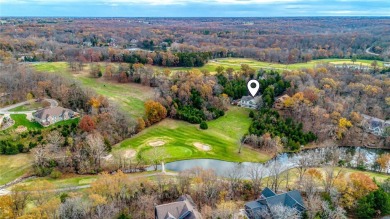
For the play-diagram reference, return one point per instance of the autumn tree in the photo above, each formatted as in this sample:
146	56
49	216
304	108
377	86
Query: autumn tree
140	124
154	111
87	124
384	162
356	186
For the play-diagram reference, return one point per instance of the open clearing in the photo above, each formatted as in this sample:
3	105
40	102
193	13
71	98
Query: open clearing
235	63
130	97
14	166
179	137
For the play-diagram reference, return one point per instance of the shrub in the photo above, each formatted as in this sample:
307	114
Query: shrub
203	125
55	174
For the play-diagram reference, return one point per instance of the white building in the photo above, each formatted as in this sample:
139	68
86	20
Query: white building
250	102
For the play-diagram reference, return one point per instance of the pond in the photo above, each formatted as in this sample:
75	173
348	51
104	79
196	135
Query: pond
354	157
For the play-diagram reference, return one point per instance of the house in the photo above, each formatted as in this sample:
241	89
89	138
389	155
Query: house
250	102
375	125
269	198
279	102
184	208
50	116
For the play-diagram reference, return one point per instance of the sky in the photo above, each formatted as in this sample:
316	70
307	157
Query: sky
193	8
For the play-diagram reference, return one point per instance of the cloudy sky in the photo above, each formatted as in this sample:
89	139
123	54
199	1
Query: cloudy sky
194	8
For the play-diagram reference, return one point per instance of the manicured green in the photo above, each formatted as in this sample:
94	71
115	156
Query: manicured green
222	136
20	119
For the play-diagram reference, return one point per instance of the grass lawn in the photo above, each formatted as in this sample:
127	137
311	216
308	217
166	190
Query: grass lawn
28	107
14	166
20	119
130	97
66	181
179	137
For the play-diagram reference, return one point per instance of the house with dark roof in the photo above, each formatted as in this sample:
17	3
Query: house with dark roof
184	208
50	116
269	198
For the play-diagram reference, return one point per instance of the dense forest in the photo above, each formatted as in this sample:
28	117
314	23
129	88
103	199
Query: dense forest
192	41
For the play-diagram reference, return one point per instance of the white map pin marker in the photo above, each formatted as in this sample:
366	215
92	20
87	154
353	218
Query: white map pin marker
253	90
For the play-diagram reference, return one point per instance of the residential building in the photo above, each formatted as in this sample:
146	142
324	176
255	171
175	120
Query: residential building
184	208
50	116
279	102
269	198
375	125
250	102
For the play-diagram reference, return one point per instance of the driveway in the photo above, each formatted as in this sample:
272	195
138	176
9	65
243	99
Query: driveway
7	109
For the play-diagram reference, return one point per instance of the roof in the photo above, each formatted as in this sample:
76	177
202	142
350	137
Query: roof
249	98
55	111
292	199
184	208
267	192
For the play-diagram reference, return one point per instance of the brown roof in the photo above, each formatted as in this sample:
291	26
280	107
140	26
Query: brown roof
183	209
55	111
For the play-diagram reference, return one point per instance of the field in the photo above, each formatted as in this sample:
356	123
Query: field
235	63
14	166
130	97
178	139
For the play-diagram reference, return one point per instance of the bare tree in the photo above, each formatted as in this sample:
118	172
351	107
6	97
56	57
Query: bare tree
54	139
40	156
305	161
145	205
275	178
234	177
279	212
333	213
331	174
96	148
73	208
256	172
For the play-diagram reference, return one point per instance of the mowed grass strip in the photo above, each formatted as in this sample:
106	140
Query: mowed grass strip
179	137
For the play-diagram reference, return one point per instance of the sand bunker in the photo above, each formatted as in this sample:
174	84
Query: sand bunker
156	143
129	153
202	147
